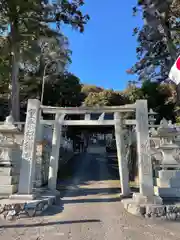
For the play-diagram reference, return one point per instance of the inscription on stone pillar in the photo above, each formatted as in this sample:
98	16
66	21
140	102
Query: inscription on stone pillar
144	155
29	135
27	173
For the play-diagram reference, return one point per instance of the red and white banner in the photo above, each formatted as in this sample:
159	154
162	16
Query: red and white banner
174	74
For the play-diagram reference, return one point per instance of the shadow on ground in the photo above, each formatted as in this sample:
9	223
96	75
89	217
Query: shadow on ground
93	200
85	192
76	177
41	224
88	168
69	170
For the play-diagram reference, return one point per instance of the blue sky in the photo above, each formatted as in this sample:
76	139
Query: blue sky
101	55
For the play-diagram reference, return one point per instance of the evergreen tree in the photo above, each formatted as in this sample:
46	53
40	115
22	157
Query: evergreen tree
22	24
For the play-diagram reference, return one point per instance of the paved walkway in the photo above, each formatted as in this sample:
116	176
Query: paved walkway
90	210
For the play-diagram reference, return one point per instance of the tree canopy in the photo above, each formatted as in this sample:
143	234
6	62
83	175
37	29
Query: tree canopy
104	98
158	43
158	39
31	48
86	89
23	24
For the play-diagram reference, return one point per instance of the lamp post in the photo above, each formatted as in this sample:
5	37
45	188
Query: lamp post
60	69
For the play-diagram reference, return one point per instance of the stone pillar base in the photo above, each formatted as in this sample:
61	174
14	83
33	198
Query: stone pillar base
9	178
140	199
140	205
168	184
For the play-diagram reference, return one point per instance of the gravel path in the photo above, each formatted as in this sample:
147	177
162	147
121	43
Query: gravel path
89	210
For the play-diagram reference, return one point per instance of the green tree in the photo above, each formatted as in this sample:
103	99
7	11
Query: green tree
133	93
32	70
158	40
104	98
61	90
160	97
22	23
64	91
86	89
159	37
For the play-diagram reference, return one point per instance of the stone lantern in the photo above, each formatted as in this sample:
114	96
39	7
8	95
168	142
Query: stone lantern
168	181
152	115
152	119
10	159
156	156
167	134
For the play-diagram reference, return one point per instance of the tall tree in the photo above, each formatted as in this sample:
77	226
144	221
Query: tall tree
23	22
52	60
158	40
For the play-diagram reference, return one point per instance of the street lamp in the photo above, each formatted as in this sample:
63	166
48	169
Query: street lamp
60	63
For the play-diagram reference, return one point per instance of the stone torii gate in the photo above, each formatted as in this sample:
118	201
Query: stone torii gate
33	119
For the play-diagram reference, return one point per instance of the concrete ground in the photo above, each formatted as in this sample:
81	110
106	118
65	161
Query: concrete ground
89	209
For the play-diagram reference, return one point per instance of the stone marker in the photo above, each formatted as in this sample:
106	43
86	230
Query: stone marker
27	172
